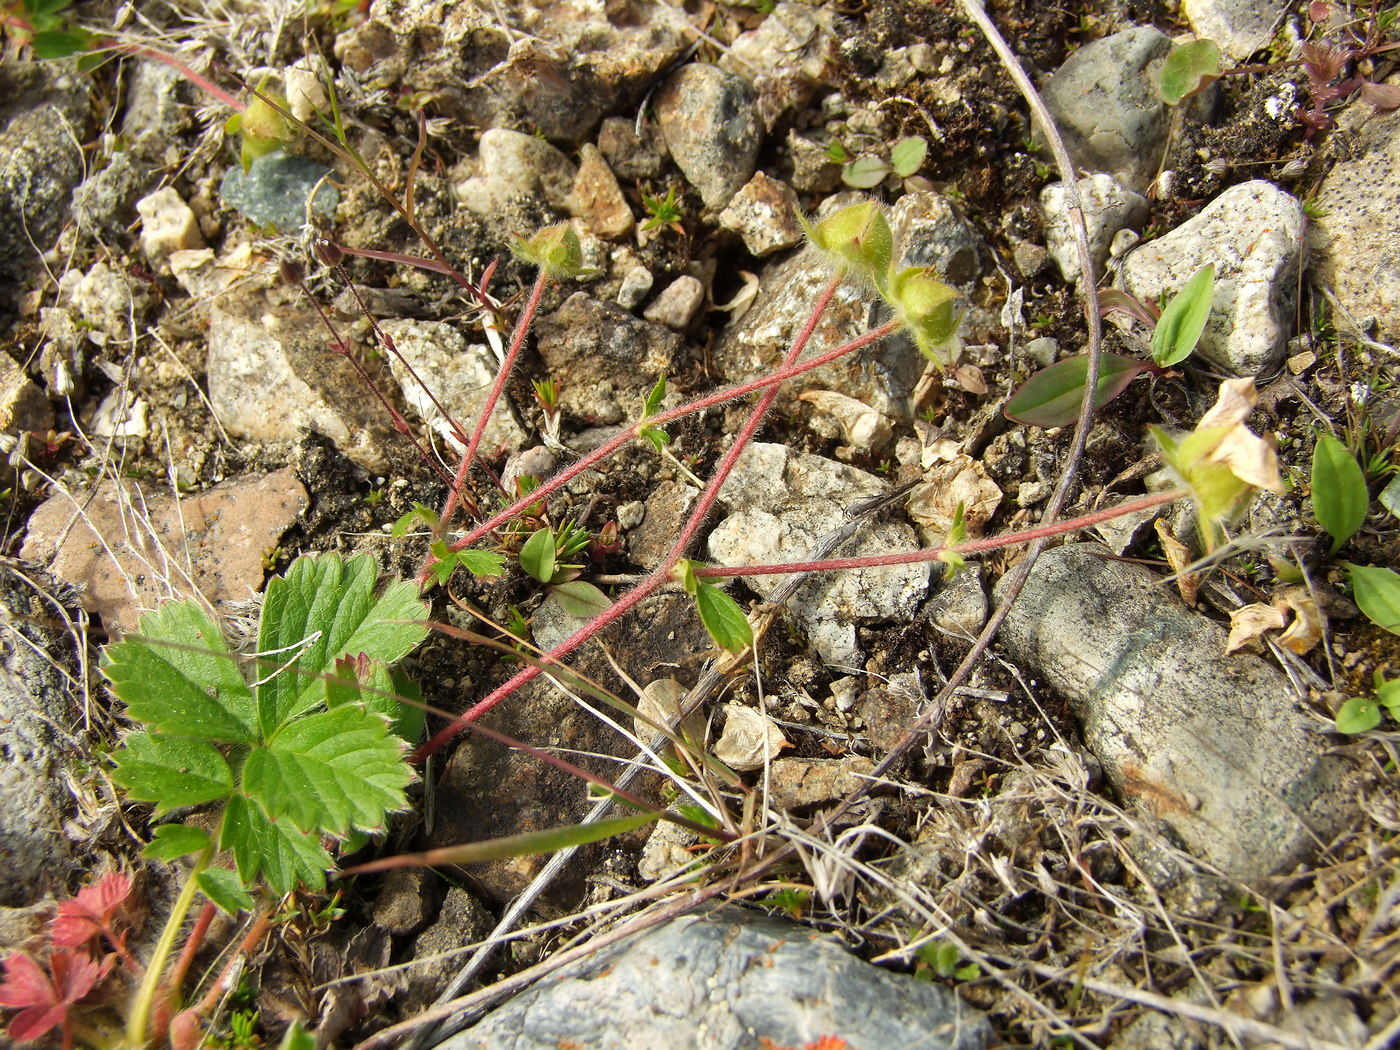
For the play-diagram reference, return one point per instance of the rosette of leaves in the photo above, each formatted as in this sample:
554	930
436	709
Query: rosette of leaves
313	749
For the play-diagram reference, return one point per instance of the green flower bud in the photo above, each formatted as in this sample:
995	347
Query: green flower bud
927	307
554	249
859	240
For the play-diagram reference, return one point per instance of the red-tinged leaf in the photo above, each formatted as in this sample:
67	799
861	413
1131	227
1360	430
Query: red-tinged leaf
91	912
1051	397
45	998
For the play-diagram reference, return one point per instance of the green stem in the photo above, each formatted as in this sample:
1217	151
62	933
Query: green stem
140	1017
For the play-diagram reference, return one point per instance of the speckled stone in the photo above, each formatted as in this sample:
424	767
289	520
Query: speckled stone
709	119
1355	240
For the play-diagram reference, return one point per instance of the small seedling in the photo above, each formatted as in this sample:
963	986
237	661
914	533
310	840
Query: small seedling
43	27
1361	714
939	960
868	171
663	212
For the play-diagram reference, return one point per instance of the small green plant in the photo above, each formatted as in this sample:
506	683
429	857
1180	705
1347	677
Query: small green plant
544	556
868	171
1361	714
1340	496
663	211
313	749
1052	397
44	27
939	960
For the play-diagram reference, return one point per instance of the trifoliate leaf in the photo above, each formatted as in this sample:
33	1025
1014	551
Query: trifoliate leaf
279	852
225	889
177	676
326	608
330	772
172	771
170	841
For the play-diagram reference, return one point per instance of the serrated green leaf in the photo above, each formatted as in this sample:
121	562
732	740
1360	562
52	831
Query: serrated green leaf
177	676
330	771
581	599
484	565
864	172
1377	593
907	155
378	689
60	43
284	856
170	841
1182	322
538	554
1360	714
723	619
326	608
1188	69
225	889
1051	397
1339	494
172	771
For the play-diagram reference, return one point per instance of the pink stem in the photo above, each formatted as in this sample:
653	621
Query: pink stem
1058	528
661	573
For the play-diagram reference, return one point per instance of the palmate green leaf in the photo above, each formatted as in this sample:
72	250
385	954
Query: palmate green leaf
1182	322
1051	397
1377	593
326	608
170	841
172	771
372	685
1340	497
225	889
330	772
723	618
284	856
177	676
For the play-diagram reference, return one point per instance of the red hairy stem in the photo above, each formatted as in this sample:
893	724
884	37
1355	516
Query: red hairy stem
181	969
662	573
522	329
992	543
603	451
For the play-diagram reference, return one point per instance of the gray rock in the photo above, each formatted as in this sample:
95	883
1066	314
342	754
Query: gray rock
788	57
159	109
813	171
558	67
636	283
764	214
960	606
727	981
1105	106
112	302
599	352
276	190
43	118
106	200
513	165
271	374
709	119
1214	747
458	374
1355	239
461	920
780	504
678	304
35	699
930	231
1240	27
1251	233
1108	209
629	154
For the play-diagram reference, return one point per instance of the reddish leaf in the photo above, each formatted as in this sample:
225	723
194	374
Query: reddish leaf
45	998
90	913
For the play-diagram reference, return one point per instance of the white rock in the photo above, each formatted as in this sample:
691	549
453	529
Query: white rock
764	214
513	165
168	224
677	304
1251	233
636	282
1109	207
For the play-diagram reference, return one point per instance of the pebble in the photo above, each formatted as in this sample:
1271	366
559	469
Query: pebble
764	214
513	165
636	283
788	56
1240	27
597	198
105	202
710	121
276	190
23	406
1251	233
1109	208
678	304
168	224
630	155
